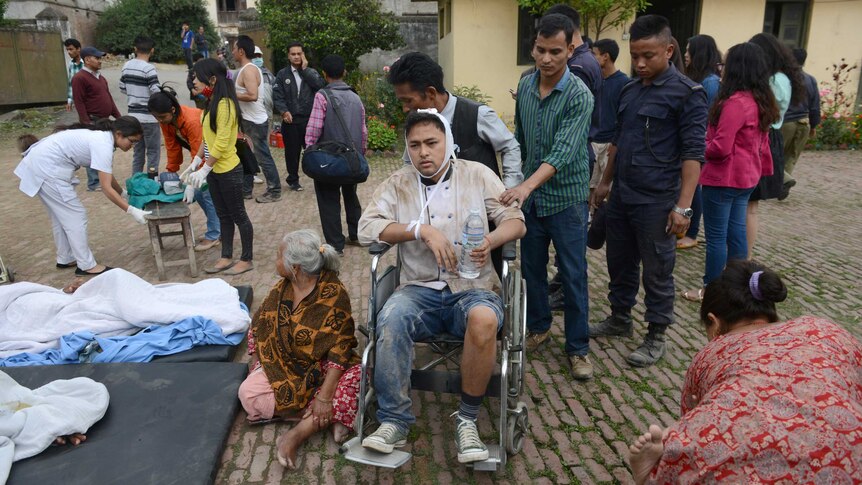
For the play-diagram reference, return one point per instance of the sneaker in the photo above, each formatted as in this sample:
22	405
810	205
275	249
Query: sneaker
582	368
614	326
535	340
268	197
296	187
257	179
650	351
470	446
385	439
206	244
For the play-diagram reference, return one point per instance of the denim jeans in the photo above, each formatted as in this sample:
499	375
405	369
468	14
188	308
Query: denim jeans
568	231
205	200
411	314
697	212
637	236
149	147
92	178
226	191
724	210
259	135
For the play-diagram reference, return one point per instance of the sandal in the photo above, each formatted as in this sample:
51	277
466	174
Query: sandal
693	295
216	269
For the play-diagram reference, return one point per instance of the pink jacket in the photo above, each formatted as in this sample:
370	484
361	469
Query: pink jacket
737	152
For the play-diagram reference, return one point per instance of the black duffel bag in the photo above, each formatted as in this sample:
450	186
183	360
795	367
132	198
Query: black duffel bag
334	162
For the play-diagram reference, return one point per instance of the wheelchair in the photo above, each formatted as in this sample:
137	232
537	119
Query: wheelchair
6	273
506	384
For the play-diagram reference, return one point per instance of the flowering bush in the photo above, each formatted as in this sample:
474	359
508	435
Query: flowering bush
839	125
378	96
381	137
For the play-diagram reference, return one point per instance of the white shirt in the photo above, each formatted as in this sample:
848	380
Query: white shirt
297	78
252	111
58	156
97	74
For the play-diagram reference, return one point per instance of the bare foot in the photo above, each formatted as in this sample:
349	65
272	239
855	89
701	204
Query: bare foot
74	285
287	446
686	243
646	452
339	432
75	439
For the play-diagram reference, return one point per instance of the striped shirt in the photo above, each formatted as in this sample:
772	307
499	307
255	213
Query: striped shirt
138	81
554	131
71	70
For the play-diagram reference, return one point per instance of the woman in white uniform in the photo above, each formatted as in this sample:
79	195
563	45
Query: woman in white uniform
48	169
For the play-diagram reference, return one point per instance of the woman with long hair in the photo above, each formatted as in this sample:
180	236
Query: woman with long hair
788	86
48	171
737	156
702	58
181	129
221	168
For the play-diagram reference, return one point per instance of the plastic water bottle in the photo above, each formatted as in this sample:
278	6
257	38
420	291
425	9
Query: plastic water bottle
474	233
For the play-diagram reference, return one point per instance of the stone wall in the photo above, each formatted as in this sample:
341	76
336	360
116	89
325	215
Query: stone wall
82	15
419	33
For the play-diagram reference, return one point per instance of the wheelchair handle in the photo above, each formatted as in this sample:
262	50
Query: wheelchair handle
377	249
510	251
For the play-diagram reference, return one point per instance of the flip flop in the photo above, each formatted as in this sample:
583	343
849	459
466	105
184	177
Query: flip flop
234	272
680	245
214	269
693	295
73	264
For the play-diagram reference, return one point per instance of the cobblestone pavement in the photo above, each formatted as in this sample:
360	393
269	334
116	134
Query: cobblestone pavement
580	431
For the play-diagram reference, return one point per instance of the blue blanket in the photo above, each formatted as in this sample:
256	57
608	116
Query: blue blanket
85	347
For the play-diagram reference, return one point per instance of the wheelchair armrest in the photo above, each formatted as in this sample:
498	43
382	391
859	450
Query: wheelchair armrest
510	252
377	249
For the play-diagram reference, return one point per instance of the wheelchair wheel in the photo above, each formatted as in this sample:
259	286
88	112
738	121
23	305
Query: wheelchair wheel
518	422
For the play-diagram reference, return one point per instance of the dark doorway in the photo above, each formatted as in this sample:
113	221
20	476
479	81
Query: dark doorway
682	14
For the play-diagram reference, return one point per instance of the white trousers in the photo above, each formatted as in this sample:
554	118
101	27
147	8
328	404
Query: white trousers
69	221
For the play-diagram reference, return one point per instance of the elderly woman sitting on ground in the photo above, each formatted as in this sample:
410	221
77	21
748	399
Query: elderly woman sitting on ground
302	340
764	401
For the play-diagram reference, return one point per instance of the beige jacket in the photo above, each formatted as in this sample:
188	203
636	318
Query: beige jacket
399	199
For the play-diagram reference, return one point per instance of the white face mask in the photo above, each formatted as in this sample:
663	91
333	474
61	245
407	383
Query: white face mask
257	61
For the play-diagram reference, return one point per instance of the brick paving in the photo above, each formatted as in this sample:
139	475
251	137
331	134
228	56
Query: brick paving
580	431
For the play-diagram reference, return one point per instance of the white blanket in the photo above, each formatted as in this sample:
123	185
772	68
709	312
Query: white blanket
33	317
31	420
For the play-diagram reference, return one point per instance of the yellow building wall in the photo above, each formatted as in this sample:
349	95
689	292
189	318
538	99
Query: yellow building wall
730	22
835	31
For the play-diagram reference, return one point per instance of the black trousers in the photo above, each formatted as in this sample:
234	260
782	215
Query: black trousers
226	191
294	141
187	55
329	205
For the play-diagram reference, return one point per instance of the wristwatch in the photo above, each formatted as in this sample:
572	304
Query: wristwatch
683	212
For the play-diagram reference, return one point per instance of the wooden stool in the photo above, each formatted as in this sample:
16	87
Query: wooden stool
172	213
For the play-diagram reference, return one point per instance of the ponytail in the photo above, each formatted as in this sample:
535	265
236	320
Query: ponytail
745	290
163	101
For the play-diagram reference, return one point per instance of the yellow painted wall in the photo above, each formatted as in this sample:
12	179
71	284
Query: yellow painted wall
835	31
730	22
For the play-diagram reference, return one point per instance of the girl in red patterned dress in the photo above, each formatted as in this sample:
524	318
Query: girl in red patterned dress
765	401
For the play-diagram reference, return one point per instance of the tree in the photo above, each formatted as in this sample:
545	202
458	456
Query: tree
160	20
597	16
349	28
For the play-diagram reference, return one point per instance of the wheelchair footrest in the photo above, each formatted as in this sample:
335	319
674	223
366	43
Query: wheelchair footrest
494	462
354	451
447	382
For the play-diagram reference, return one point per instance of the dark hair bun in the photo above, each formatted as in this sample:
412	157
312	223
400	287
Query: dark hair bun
771	287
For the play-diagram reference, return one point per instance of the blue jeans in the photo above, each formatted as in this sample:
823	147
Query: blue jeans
259	135
697	212
411	314
205	200
568	231
92	179
724	210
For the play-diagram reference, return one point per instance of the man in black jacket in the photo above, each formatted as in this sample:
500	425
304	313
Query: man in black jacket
293	97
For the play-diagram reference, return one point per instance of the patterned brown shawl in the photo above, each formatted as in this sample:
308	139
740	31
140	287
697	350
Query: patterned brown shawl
291	345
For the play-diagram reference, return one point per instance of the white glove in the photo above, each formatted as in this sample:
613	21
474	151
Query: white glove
197	179
125	195
196	162
138	214
189	194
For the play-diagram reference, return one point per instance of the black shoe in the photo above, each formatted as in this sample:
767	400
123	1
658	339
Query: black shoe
650	351
614	326
295	187
785	190
248	196
557	300
80	272
268	197
556	284
67	265
353	241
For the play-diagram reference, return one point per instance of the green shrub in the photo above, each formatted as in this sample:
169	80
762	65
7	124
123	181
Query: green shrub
839	125
160	20
378	96
472	92
381	137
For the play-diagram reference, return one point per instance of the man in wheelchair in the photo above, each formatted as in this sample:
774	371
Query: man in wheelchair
423	207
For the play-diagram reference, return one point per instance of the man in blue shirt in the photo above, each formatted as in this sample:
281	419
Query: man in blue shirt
654	164
606	52
186	36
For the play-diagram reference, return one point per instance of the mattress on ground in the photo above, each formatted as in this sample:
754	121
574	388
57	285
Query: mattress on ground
166	423
211	353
